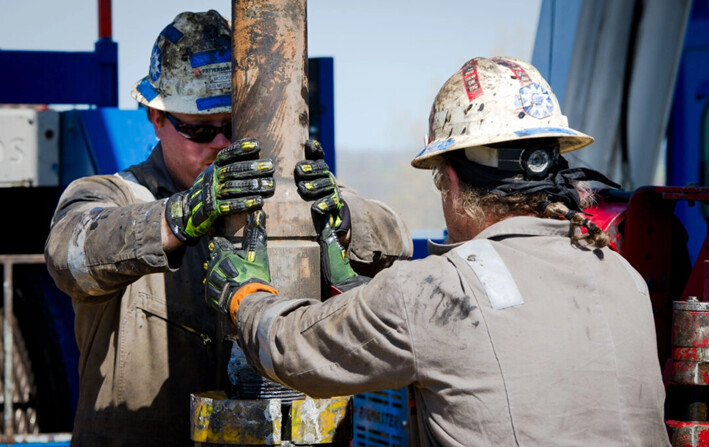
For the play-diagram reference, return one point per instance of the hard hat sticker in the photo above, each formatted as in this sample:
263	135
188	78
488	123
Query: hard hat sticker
171	33
155	65
536	101
436	147
214	66
212	102
518	71
219	56
146	89
471	80
219	78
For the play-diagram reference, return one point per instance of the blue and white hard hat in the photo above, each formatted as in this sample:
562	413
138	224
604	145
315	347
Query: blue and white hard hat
492	101
190	66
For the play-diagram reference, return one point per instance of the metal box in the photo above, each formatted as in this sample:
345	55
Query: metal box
29	147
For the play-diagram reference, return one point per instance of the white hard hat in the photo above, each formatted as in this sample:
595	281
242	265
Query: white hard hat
490	101
190	66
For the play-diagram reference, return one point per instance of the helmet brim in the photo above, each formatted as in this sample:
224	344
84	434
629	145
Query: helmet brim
569	140
146	94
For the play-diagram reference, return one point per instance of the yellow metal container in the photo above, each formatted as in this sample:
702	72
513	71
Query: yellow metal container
217	419
321	421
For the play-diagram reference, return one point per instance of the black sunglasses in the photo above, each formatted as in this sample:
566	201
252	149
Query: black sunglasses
199	133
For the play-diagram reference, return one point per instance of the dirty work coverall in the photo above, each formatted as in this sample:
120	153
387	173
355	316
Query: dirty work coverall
147	338
516	338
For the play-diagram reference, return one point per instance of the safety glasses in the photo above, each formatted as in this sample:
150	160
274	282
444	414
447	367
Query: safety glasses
199	133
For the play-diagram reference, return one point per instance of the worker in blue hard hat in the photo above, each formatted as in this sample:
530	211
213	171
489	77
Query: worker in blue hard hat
128	248
525	329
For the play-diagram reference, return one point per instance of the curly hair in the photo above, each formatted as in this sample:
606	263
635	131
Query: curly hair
482	206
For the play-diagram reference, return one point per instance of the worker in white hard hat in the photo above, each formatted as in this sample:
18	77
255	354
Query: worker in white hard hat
524	330
128	248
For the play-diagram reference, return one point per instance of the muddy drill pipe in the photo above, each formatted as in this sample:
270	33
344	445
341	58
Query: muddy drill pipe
269	98
270	103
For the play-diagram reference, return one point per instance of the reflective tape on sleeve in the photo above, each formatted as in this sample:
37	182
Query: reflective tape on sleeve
640	283
263	333
76	256
493	274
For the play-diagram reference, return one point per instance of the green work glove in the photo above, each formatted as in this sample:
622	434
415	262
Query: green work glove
331	217
234	274
336	271
236	182
316	183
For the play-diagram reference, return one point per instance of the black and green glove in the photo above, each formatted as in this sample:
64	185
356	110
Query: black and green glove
337	273
234	274
236	182
316	183
331	217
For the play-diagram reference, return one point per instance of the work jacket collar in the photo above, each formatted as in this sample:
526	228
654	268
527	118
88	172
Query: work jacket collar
525	226
153	174
434	248
513	226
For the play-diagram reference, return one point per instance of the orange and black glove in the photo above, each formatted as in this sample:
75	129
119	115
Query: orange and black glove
234	274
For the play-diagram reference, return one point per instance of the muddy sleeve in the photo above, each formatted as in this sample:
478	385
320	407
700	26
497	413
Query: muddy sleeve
101	239
379	235
355	342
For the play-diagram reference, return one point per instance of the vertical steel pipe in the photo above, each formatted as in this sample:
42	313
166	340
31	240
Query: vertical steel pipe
270	103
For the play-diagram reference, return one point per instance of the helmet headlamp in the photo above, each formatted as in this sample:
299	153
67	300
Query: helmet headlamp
534	159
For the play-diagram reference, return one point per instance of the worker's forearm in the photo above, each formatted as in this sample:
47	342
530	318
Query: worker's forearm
320	348
100	241
170	242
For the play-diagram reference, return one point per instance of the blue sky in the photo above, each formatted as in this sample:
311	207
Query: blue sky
390	56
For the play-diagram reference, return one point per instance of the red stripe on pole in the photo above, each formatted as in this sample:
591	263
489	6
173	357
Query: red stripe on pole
104	19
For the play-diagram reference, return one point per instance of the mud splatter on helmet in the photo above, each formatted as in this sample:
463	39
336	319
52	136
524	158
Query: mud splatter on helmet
190	66
492	101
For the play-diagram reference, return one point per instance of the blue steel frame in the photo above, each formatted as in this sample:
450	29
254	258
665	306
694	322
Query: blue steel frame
687	161
321	102
56	77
